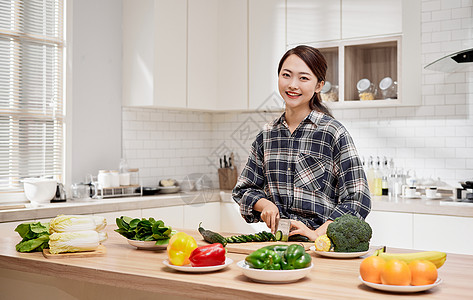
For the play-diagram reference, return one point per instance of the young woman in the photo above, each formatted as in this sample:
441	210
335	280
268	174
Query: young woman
303	166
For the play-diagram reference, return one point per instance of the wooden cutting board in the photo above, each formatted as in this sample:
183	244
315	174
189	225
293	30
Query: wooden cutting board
101	250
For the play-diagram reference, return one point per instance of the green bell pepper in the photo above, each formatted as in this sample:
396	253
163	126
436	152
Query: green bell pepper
264	259
296	258
291	257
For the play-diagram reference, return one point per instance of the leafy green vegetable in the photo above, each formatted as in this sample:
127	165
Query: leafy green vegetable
144	229
35	236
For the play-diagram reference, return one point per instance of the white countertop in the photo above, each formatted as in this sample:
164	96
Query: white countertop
93	206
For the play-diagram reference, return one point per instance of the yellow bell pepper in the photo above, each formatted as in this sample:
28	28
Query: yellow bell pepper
180	248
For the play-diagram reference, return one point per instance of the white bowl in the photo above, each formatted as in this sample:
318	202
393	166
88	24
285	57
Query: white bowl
273	276
39	190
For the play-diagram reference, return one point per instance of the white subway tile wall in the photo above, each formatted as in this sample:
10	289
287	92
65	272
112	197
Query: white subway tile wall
435	139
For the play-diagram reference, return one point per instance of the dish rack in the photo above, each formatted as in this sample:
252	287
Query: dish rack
114	192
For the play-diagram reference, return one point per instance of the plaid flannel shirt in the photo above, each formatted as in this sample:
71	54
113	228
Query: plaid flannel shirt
312	175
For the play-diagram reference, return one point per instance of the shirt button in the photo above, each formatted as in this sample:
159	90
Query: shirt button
289	169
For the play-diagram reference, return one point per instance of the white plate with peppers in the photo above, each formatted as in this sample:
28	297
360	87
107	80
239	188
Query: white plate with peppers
191	269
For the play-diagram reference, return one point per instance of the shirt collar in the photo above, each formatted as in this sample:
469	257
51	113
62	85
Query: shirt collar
314	117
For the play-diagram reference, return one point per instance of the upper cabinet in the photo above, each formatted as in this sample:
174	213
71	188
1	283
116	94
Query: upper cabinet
311	21
375	61
365	18
185	54
154	57
267	44
222	55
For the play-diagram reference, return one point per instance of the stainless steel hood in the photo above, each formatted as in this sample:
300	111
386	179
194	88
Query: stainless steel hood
452	62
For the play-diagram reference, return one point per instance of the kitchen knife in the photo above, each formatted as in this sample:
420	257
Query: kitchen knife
284	225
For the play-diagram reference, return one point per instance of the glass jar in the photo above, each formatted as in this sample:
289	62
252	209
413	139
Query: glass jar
388	88
134	176
329	92
115	176
80	191
366	89
104	179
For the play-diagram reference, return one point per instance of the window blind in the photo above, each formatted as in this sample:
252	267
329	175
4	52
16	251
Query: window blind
31	91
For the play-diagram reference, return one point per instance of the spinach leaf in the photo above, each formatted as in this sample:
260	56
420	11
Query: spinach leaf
144	229
35	236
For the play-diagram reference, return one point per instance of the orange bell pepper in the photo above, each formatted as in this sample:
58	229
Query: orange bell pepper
180	248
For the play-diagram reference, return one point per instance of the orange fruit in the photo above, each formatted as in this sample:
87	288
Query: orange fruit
423	272
396	272
370	268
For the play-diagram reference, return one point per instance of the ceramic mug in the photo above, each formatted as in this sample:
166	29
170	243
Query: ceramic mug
410	191
431	192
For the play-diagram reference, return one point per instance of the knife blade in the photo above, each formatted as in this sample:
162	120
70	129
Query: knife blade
284	225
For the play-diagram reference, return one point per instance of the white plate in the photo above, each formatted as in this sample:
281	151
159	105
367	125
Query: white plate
191	269
433	198
401	288
148	245
273	276
338	254
411	197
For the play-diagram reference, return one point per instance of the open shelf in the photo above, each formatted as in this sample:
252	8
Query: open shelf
372	61
370	58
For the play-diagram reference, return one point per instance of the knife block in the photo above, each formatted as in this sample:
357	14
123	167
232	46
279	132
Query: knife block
227	178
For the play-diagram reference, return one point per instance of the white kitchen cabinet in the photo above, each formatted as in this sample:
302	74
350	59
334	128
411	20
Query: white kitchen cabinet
112	216
207	213
365	18
217	55
202	54
232	221
267	44
391	229
170	215
232	93
443	233
155	53
311	21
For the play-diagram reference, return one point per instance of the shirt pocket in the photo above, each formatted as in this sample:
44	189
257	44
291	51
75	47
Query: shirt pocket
310	172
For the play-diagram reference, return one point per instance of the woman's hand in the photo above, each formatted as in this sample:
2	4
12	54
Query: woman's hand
297	227
269	213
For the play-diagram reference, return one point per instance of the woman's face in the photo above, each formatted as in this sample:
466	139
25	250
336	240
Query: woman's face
297	84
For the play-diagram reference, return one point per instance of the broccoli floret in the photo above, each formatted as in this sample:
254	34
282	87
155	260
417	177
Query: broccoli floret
349	234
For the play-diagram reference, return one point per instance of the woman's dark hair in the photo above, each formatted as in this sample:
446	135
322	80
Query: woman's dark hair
317	64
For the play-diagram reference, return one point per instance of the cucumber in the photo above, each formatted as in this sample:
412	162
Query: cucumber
298	238
212	237
278	235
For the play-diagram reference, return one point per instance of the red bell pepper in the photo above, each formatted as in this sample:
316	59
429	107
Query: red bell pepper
210	255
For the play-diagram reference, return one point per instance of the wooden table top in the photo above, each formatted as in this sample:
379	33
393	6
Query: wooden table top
125	266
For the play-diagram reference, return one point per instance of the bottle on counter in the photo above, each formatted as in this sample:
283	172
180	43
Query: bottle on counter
370	174
377	178
384	179
124	173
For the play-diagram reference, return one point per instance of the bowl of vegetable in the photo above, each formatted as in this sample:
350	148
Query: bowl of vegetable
149	234
273	276
277	264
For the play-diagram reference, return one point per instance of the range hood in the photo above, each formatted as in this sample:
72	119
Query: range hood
452	62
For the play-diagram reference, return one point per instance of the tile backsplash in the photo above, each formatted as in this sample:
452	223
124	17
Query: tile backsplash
435	139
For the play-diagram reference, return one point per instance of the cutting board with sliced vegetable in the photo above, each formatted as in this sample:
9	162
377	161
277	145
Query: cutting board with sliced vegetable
247	248
247	242
101	250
